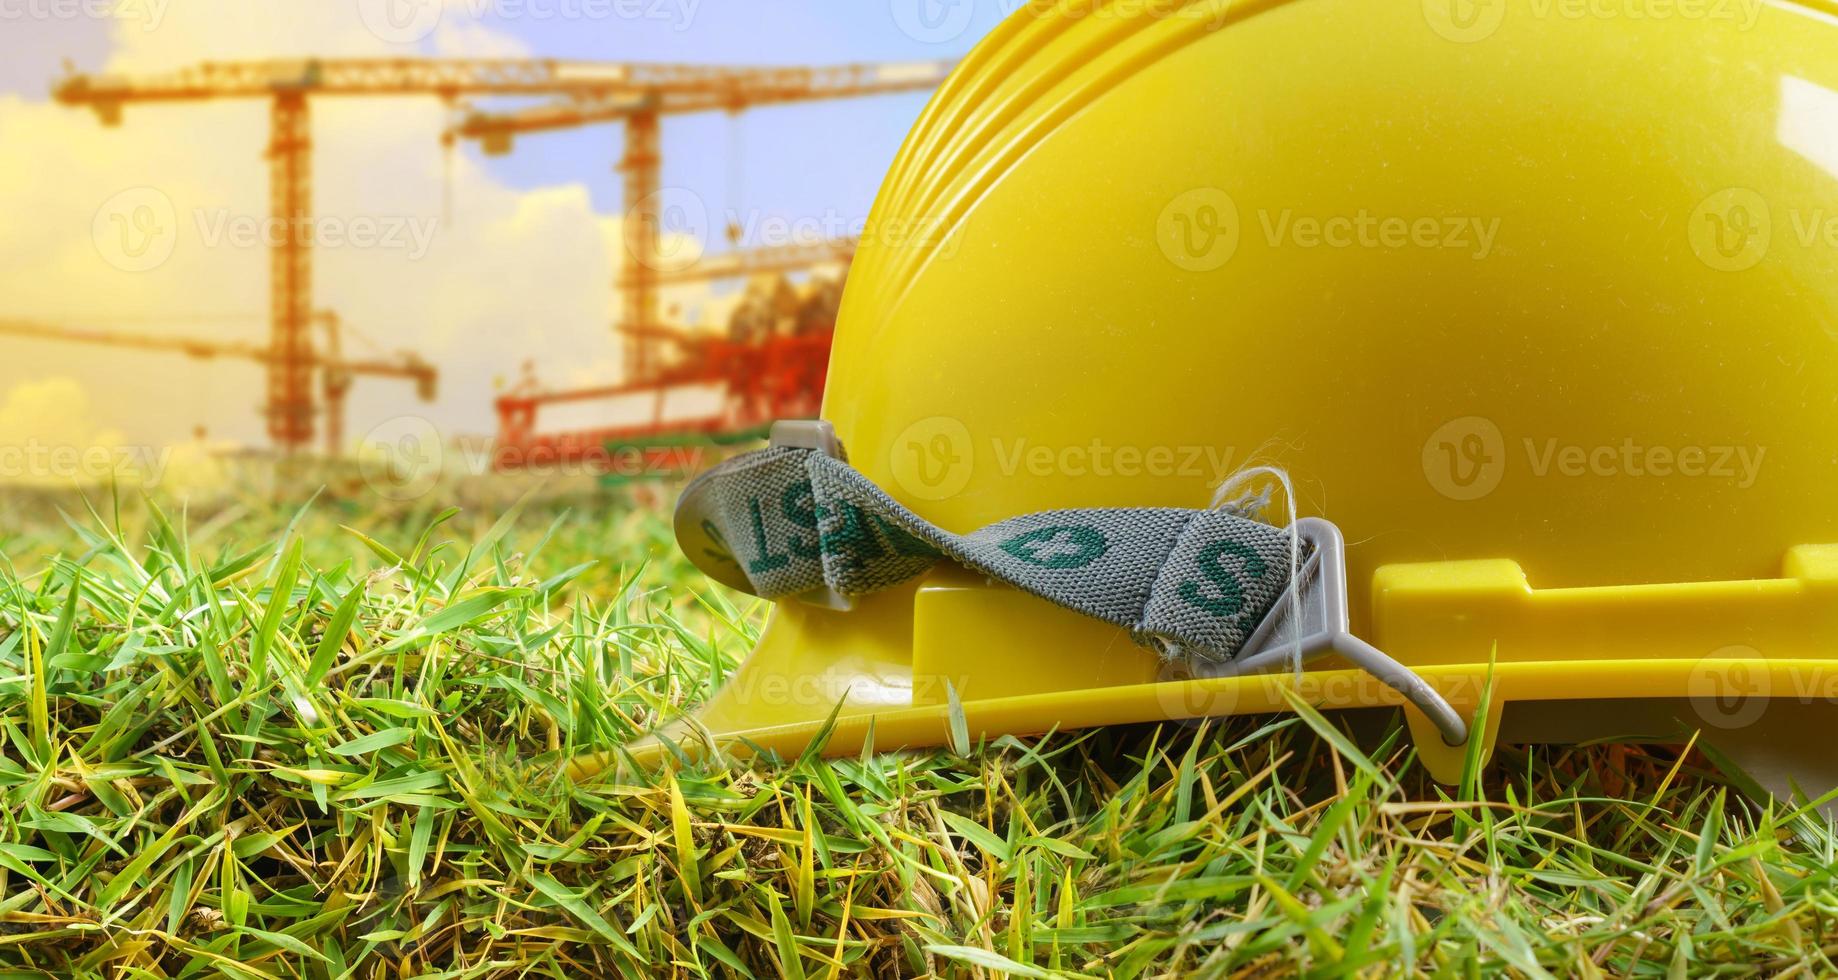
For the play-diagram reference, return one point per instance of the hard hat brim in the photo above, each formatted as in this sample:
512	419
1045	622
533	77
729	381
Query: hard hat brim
899	670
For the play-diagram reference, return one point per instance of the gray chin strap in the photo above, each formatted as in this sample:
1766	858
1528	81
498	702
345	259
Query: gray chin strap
795	520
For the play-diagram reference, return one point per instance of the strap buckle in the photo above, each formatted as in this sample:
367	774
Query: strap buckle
1319	595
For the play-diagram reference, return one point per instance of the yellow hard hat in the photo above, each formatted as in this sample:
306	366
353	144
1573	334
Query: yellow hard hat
1532	303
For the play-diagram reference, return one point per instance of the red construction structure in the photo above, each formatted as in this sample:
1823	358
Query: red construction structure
779	377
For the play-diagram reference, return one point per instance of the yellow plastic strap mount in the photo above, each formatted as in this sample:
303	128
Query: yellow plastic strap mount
817	436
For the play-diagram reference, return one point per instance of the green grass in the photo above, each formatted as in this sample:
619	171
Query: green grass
256	744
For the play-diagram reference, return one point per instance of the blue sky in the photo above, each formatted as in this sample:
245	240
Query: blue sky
797	161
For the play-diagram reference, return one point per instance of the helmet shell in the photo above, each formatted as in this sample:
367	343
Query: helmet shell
1548	281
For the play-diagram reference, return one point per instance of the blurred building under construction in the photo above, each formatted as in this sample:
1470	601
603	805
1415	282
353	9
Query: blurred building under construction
770	361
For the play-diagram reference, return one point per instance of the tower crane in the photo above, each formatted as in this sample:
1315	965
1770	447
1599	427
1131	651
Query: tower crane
289	85
335	370
730	90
